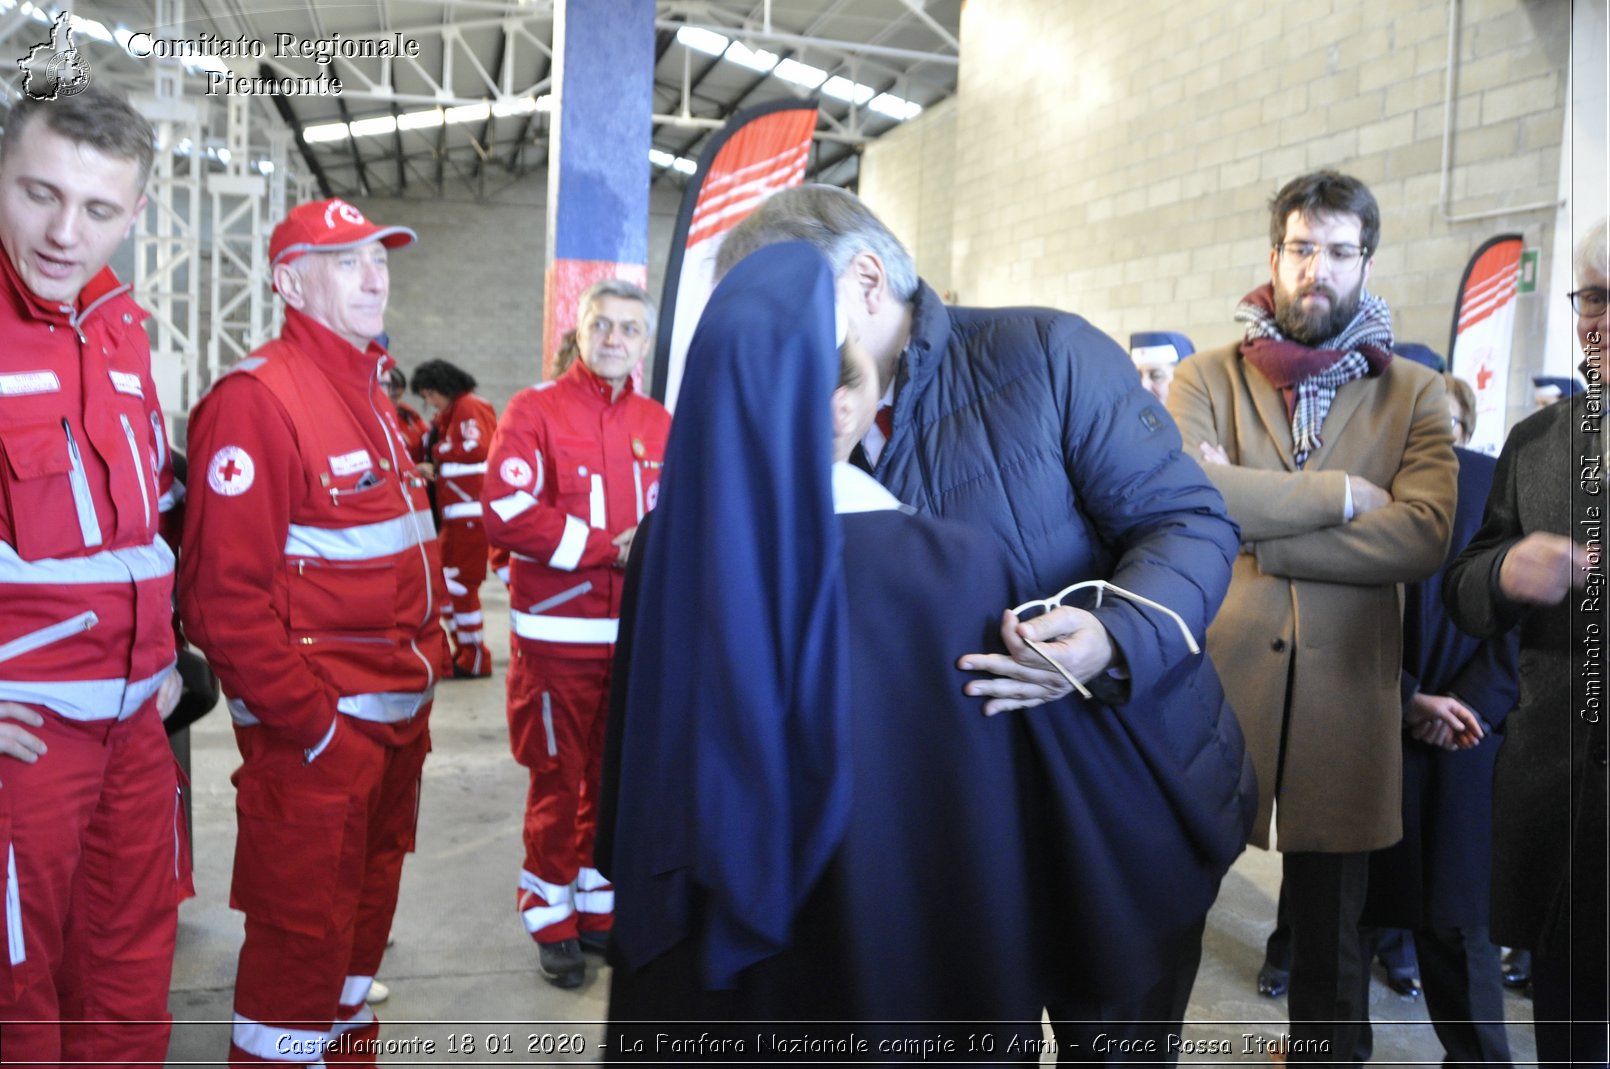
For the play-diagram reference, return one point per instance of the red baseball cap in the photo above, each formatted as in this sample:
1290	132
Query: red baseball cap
330	226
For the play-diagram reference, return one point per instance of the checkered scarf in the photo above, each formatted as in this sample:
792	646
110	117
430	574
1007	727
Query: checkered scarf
1308	377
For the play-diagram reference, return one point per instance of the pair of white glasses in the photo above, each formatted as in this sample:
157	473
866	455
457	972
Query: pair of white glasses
1032	609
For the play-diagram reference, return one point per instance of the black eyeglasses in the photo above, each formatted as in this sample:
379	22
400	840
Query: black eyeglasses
1590	301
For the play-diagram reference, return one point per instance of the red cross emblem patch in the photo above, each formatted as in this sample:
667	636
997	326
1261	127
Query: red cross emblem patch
230	471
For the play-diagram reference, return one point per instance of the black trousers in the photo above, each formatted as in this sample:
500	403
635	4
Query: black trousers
1330	977
1462	974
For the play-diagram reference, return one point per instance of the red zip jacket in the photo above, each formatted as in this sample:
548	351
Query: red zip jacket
570	470
463	436
310	574
86	581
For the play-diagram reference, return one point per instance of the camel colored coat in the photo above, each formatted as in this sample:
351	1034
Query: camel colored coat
1309	639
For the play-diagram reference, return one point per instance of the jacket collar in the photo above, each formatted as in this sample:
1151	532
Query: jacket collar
581	376
341	363
930	337
98	292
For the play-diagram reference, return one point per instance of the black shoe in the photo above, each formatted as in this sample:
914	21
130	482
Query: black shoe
1517	968
1405	984
1272	982
561	963
596	942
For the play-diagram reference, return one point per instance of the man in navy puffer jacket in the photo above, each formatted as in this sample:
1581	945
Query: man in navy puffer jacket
1030	424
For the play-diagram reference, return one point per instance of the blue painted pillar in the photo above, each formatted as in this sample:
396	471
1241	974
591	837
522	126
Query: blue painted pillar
598	169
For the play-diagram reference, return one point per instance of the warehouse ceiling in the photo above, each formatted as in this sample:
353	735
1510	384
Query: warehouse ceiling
464	107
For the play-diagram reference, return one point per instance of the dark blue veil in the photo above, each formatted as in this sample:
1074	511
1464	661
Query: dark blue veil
733	786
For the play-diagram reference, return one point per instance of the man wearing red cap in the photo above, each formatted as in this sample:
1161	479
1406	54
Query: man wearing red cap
573	467
311	579
92	852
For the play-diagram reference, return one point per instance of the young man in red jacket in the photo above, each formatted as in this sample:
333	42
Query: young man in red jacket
91	832
311	579
574	467
462	432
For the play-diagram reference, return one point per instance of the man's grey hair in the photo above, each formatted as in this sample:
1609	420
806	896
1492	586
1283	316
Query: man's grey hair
834	221
1593	251
617	287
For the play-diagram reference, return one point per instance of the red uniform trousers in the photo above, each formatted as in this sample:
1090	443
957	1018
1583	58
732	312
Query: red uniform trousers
464	554
96	858
318	859
557	713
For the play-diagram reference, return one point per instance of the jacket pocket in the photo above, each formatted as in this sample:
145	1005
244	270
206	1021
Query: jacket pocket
288	848
326	597
579	480
48	496
45	636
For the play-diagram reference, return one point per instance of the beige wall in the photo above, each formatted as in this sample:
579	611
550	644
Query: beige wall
1116	159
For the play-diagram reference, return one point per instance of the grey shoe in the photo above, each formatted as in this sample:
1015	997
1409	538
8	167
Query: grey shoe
561	963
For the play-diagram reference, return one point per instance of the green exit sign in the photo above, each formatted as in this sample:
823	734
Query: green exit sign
1527	283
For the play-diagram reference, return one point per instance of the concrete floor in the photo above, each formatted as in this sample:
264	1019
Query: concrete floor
462	965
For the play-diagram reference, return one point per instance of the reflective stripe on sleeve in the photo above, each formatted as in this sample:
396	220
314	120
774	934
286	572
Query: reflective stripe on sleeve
367	541
579	629
458	471
460	510
571	546
509	507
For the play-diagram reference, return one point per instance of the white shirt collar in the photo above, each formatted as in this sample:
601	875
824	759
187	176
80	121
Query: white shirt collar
856	491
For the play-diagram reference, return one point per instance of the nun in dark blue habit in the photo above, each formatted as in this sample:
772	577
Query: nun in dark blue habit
804	818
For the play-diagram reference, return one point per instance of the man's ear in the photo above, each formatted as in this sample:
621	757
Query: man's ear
134	216
288	284
870	284
843	412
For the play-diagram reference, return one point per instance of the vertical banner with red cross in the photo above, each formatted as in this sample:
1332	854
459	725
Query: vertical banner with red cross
761	150
1484	334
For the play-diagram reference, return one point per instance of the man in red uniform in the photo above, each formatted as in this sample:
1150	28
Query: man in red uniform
574	467
311	579
91	832
463	428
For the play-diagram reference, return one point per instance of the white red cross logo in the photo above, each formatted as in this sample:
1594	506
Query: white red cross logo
231	470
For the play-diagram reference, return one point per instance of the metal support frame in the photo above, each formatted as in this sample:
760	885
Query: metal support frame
238	309
167	261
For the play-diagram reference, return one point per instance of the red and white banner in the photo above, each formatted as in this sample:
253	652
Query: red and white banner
760	151
1484	334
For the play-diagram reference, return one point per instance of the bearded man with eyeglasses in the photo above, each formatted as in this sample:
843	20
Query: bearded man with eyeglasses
1337	461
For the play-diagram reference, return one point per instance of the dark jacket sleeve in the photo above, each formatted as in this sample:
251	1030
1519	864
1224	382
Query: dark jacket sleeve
1470	589
1173	541
1488	682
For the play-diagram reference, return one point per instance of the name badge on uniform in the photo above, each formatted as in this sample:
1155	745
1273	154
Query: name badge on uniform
124	382
21	383
351	463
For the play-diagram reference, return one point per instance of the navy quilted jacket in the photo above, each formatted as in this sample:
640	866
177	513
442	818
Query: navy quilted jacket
1032	424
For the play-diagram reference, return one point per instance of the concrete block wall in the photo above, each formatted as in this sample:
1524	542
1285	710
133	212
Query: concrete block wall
470	290
911	182
1117	159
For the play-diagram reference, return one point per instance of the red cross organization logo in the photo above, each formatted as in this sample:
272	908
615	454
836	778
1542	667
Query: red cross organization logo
515	472
347	212
230	471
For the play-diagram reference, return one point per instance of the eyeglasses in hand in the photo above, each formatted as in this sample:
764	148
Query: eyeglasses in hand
1030	610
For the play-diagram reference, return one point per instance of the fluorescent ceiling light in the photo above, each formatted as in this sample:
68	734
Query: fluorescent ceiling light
792	70
702	40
